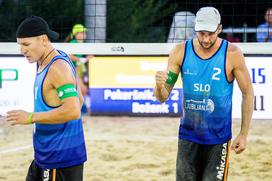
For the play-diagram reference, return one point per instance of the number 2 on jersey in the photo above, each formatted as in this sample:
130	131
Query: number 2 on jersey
216	73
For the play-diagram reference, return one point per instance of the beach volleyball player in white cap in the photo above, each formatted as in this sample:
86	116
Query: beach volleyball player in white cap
208	66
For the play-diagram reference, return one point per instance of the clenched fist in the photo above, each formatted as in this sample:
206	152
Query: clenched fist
161	77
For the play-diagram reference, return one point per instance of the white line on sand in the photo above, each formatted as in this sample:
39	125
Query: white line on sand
114	137
15	149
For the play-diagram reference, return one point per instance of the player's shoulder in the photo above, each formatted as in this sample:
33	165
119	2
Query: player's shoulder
233	49
177	54
60	66
60	63
180	46
60	73
178	49
235	55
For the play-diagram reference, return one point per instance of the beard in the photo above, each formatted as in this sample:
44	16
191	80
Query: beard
207	45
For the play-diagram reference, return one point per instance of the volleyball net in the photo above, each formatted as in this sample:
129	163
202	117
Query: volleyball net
121	78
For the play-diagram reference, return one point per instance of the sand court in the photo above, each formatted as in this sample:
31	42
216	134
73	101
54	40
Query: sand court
136	149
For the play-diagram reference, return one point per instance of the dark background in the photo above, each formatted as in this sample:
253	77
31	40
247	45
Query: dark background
234	13
128	20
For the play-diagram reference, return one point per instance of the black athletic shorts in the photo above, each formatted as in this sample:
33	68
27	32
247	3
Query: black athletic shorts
74	173
197	162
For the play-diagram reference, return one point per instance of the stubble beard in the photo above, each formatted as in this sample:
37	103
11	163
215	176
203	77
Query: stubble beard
209	47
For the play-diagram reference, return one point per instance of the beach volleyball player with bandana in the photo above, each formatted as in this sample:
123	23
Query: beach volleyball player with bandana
58	139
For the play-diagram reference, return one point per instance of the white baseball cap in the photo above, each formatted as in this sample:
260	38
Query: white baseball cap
207	19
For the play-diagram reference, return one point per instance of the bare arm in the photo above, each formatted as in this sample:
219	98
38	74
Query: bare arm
163	90
241	74
80	94
59	74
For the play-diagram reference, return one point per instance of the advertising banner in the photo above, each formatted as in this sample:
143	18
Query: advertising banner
124	86
260	70
16	84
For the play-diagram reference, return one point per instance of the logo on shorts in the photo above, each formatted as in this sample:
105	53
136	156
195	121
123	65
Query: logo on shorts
46	175
221	168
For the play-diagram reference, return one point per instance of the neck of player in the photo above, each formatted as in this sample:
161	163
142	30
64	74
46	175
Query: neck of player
44	61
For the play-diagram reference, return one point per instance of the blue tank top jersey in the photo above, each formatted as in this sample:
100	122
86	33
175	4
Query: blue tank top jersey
207	103
56	145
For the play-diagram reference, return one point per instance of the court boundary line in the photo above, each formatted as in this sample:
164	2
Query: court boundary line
15	149
112	137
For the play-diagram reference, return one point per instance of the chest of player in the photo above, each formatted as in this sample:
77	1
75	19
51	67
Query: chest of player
205	76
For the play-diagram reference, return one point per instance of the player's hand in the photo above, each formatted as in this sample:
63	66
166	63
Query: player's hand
17	117
239	144
161	77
